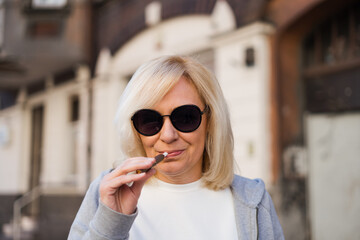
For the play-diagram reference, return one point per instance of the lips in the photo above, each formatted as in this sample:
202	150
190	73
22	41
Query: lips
173	153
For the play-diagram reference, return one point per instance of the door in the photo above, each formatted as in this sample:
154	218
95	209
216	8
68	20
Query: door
37	116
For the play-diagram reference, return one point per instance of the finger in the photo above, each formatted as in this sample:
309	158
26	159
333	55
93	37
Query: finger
112	185
134	164
138	185
131	165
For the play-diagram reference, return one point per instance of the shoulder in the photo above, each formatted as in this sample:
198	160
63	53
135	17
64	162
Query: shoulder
250	195
249	192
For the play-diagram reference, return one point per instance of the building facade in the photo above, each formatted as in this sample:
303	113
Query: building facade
288	69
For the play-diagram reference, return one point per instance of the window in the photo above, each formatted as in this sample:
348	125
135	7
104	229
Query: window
74	108
44	29
331	63
336	41
49	4
250	57
7	99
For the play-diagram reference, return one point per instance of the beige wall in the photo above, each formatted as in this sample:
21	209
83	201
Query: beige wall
333	142
247	92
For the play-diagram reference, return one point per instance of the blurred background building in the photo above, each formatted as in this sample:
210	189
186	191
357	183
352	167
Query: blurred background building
290	71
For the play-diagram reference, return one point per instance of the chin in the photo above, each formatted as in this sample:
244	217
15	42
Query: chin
171	168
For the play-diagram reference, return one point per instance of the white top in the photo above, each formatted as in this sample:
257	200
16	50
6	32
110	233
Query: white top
186	211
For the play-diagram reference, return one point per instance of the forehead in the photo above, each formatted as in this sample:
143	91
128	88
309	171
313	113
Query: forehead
183	92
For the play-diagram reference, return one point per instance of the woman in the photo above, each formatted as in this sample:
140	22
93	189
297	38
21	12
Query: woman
173	104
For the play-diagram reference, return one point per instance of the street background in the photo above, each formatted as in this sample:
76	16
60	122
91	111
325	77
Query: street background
290	72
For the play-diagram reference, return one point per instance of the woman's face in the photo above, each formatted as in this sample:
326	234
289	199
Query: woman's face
184	162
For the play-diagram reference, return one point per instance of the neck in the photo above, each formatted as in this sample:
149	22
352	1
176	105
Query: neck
178	179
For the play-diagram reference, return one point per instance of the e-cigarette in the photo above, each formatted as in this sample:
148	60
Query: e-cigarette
158	158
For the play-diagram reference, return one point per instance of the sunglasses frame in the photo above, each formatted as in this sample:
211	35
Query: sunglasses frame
169	115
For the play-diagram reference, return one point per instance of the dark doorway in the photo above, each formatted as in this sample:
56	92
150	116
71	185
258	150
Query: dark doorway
37	119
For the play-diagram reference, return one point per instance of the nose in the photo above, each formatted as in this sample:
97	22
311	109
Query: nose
168	133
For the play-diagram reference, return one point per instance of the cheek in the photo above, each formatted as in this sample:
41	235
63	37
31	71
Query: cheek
147	142
199	138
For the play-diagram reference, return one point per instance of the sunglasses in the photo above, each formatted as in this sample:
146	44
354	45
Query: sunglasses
186	118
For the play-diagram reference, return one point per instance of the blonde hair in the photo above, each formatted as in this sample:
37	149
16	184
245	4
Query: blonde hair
149	85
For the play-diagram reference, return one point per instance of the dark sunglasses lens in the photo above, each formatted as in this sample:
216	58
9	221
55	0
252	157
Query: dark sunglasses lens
186	118
147	122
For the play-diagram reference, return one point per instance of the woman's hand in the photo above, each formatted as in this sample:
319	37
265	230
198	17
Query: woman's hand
116	190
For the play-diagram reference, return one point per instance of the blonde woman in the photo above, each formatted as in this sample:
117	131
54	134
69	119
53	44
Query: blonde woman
174	107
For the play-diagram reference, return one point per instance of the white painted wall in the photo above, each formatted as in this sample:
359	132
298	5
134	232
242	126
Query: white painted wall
83	127
57	158
64	152
106	92
334	175
247	90
11	135
64	142
180	35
